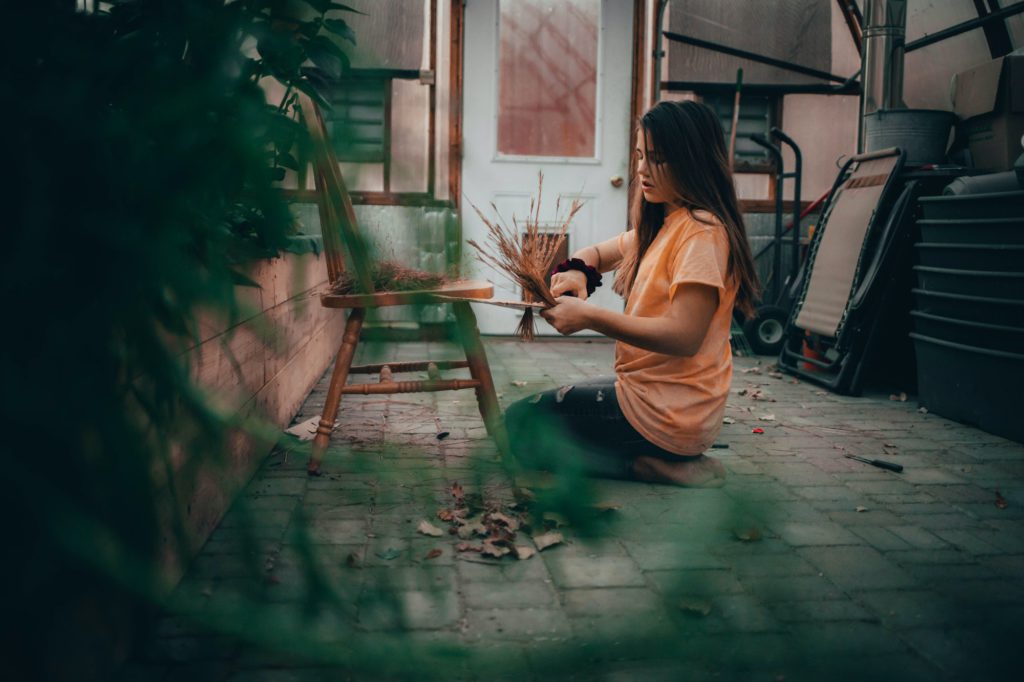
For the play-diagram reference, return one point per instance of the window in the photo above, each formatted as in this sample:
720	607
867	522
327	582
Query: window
385	122
357	121
547	77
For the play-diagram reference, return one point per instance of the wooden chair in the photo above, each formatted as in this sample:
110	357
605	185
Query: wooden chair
340	231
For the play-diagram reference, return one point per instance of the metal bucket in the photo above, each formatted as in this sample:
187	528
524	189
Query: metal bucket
922	133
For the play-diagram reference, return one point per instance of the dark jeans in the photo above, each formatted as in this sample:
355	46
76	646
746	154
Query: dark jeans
579	423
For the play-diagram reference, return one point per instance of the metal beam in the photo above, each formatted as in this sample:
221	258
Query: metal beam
853	88
996	33
964	27
753	56
853	22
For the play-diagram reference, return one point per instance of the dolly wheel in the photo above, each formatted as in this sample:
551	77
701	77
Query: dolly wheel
766	331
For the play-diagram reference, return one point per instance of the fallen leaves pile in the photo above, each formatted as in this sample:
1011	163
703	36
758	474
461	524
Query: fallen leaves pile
494	530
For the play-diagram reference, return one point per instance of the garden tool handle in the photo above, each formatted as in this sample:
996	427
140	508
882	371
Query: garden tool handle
880	463
891	466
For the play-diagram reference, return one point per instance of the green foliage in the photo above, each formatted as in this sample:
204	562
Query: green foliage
142	160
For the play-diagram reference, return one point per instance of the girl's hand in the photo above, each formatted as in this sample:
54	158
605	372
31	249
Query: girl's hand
570	315
571	282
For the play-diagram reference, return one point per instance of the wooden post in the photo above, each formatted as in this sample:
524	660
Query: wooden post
338	378
735	119
486	396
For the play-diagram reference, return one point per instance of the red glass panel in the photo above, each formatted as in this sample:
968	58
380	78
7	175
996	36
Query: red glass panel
547	77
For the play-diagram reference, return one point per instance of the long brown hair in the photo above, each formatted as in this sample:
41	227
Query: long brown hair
691	162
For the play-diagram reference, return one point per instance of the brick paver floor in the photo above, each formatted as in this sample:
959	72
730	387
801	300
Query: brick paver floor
804	566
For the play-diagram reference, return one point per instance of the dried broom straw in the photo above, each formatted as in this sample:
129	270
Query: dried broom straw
387	275
525	254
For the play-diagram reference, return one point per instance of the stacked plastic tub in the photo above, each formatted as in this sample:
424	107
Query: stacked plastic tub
969	310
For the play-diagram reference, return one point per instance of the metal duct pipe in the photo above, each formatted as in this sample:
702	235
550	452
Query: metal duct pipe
882	64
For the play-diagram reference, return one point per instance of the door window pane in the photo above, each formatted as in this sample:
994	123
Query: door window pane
547	77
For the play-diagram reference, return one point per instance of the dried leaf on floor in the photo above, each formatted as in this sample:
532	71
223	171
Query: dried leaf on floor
433	554
306	430
519	383
751	370
523	496
756	394
767	417
898	397
749	534
469	530
446	515
466	520
696	606
467	547
728	420
507	521
536	399
1001	502
860	509
545	540
775	375
523	552
427	528
458	494
490	549
562	392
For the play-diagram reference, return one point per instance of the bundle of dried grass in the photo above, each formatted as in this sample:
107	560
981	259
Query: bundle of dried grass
388	275
525	253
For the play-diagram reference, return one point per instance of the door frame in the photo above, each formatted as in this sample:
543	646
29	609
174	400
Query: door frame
457	91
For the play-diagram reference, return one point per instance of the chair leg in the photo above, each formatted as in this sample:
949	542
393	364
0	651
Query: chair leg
339	377
486	396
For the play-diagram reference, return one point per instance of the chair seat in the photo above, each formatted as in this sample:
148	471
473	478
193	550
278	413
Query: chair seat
460	289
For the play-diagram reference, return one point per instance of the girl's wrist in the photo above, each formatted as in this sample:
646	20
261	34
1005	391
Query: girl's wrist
589	272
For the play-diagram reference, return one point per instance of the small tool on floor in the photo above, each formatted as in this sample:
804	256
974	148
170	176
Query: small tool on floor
880	463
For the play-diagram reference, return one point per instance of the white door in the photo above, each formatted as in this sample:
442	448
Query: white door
546	88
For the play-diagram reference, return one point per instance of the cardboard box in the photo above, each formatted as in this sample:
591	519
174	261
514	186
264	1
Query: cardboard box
990	100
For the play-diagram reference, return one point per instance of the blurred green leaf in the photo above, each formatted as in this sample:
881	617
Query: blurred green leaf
326	54
339	7
306	87
288	161
244	280
340	27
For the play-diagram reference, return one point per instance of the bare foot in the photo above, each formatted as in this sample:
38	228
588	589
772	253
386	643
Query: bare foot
693	472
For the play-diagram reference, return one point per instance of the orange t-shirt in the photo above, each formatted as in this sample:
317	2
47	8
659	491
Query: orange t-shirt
675	402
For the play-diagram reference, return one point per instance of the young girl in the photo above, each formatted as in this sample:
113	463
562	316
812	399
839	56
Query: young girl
681	268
